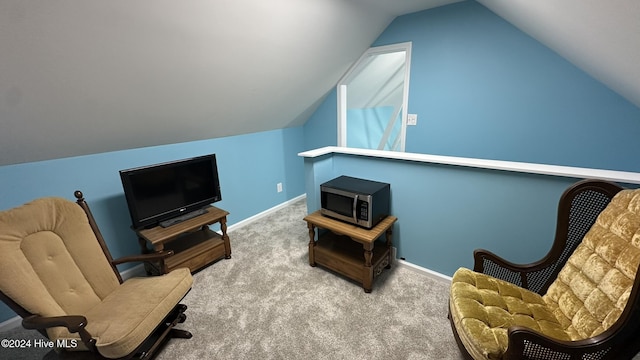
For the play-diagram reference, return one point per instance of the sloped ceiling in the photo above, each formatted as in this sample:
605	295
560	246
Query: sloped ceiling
81	77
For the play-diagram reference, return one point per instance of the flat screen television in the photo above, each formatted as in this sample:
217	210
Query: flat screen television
158	194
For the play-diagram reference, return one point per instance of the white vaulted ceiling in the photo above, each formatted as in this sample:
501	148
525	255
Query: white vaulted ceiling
82	77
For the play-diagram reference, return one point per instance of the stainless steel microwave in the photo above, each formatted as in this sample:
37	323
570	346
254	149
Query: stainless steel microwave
358	201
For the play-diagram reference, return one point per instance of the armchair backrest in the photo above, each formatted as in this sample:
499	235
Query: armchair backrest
593	287
578	209
50	259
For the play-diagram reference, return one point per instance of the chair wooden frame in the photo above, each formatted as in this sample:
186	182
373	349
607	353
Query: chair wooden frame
578	209
77	323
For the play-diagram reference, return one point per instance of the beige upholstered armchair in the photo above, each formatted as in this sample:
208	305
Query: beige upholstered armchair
582	301
57	274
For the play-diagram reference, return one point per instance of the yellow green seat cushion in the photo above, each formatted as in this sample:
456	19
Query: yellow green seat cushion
483	308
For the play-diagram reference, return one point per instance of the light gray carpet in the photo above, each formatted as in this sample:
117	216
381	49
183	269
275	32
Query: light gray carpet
266	302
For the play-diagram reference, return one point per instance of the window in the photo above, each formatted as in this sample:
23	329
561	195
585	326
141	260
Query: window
373	97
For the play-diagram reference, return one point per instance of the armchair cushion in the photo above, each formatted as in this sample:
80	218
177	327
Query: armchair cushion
593	287
141	303
483	308
50	259
587	298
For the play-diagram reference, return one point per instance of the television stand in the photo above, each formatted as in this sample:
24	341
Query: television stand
193	243
355	252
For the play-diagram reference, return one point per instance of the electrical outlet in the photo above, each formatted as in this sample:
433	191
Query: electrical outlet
412	119
279	187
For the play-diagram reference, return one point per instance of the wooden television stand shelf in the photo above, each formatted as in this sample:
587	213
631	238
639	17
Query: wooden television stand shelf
194	244
350	250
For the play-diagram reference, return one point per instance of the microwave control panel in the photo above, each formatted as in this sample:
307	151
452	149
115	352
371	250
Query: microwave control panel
363	213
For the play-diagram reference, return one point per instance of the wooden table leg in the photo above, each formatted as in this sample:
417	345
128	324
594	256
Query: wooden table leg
367	275
225	238
163	267
312	243
388	235
148	266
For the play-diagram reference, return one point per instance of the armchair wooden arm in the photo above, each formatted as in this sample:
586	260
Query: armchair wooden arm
159	256
73	323
487	262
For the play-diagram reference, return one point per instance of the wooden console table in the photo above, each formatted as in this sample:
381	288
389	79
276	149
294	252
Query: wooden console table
350	250
194	244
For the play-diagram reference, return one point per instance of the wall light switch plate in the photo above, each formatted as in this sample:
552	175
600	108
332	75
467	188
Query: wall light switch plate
412	119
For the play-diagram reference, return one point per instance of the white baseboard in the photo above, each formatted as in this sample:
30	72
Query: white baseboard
430	273
258	216
136	271
419	269
14	322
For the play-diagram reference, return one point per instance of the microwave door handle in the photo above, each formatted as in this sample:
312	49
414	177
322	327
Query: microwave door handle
354	212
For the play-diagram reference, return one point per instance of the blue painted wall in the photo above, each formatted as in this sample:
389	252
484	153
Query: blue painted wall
484	89
249	166
321	129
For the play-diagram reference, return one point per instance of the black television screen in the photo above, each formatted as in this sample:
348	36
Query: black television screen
161	192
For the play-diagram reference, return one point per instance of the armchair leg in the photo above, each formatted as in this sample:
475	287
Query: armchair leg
178	312
181	334
167	331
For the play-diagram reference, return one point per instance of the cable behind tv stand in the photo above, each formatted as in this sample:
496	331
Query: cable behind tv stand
193	243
